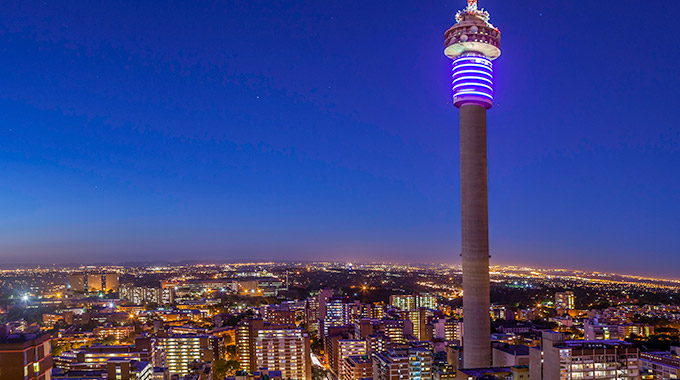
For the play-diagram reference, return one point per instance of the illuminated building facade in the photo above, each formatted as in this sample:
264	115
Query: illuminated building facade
278	315
660	365
49	319
420	364
276	347
560	359
599	331
413	301
343	348
394	330
357	368
182	350
337	313
141	295
390	365
117	332
95	357
283	349
412	363
77	282
564	301
245	349
453	330
418	318
111	282
25	357
473	43
94	282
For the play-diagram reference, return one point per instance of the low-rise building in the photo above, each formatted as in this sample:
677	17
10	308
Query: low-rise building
660	365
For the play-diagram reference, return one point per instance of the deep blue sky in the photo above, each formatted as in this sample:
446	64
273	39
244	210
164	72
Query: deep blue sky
324	129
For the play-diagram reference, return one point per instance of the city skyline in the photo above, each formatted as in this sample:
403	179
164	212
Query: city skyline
308	131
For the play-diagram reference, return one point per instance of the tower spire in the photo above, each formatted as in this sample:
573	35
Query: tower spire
472	6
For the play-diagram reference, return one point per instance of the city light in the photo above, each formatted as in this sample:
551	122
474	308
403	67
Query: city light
265	190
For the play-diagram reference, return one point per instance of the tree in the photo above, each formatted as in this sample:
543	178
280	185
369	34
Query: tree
219	369
316	343
222	368
107	340
319	373
57	349
233	366
231	351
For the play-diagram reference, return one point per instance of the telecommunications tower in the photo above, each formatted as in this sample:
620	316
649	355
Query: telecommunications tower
472	43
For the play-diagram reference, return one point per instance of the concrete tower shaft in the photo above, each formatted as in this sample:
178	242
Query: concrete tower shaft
472	43
475	237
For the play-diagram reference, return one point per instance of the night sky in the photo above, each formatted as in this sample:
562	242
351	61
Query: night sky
252	130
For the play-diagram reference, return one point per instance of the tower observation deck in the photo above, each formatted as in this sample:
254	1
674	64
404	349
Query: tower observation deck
473	43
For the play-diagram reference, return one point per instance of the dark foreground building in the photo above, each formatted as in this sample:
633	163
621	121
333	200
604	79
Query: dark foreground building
25	356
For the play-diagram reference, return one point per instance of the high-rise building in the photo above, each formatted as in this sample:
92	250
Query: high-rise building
278	315
25	356
357	368
413	301
639	329
472	43
418	318
167	296
564	301
453	330
420	363
344	348
111	282
376	343
321	299
94	282
390	365
331	345
412	363
337	313
182	350
560	359
315	309
284	349
245	349
77	282
395	330
276	347
403	302
141	295
366	327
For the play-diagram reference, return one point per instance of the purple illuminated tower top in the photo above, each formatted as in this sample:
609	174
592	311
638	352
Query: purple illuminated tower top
472	43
